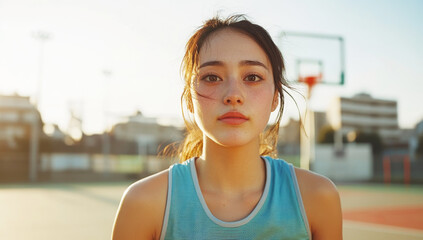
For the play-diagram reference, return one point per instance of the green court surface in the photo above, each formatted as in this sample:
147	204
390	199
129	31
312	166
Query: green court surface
87	211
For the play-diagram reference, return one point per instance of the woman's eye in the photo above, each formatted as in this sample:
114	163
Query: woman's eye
253	78
211	78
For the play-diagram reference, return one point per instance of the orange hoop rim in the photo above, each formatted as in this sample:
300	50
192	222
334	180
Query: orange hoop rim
311	80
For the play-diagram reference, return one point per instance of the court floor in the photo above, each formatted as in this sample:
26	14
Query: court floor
87	211
382	211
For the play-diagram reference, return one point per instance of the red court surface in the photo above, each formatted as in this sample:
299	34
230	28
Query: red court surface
382	212
406	217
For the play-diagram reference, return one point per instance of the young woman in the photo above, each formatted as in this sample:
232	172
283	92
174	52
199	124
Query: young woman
227	186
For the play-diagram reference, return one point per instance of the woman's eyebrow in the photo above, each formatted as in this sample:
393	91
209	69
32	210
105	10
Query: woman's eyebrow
253	63
211	63
242	63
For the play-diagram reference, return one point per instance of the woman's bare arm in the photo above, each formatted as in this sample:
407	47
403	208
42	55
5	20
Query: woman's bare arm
141	211
322	205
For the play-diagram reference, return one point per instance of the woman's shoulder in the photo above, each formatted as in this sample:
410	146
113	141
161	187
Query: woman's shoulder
322	204
148	187
314	183
142	208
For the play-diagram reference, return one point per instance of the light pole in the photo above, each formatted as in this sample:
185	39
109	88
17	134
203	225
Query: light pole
106	138
35	128
42	37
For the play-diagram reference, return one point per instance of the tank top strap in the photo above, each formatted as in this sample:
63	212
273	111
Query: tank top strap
286	191
180	188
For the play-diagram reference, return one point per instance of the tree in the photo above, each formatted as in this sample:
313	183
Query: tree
419	150
326	134
370	137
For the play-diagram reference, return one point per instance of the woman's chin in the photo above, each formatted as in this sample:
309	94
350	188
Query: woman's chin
232	141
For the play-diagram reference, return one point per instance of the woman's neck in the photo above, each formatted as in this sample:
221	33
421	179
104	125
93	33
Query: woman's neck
231	170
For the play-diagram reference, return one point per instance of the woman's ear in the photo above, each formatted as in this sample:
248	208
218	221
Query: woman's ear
275	101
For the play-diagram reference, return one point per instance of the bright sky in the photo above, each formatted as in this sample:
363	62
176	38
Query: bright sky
141	44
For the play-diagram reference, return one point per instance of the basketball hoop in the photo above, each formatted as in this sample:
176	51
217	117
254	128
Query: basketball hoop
311	81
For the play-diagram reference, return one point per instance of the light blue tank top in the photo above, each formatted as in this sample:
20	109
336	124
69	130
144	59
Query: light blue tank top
279	213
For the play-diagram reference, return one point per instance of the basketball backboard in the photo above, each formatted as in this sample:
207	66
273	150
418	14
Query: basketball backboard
310	54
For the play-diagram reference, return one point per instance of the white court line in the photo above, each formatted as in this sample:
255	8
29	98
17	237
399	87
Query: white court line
382	228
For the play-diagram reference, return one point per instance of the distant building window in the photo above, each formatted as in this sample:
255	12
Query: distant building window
29	117
9	117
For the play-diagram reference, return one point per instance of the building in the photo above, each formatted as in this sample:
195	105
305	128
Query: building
290	133
289	138
17	115
320	121
147	132
18	119
365	113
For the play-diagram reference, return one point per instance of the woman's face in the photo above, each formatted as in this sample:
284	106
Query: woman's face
234	93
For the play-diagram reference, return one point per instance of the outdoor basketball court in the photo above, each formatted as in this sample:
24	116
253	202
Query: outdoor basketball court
382	211
87	211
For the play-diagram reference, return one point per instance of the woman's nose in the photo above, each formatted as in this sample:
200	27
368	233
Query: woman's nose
233	100
234	94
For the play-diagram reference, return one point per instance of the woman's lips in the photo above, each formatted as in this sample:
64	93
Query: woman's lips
233	118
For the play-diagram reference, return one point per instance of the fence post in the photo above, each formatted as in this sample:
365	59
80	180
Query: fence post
386	169
406	165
